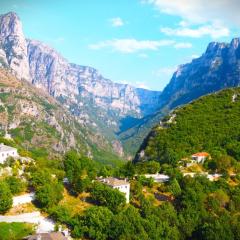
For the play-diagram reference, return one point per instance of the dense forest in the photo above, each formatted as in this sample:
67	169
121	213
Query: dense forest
182	208
209	124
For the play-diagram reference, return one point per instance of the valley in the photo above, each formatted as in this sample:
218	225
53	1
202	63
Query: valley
84	157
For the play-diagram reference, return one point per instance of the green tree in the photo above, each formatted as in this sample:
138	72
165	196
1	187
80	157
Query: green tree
224	163
79	171
106	196
49	194
217	228
5	197
128	224
95	223
40	177
15	184
150	167
174	187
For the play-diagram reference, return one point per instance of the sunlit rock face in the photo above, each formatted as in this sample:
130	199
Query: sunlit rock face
217	68
13	46
49	70
93	99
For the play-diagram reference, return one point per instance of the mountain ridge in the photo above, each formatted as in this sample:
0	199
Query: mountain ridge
209	123
95	100
218	68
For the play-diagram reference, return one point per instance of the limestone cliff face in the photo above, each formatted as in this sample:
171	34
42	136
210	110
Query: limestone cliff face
93	99
49	70
217	68
13	46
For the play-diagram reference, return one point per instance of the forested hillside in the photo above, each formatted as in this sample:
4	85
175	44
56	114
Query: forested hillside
210	124
41	127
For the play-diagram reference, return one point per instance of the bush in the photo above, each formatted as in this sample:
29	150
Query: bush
61	214
146	181
15	184
49	195
95	224
5	197
106	196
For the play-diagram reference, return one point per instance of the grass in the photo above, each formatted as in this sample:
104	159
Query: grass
149	193
75	204
22	208
15	231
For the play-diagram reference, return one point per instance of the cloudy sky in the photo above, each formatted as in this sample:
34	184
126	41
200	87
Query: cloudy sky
140	42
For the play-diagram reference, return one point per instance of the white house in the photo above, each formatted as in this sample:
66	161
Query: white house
200	157
115	183
7	151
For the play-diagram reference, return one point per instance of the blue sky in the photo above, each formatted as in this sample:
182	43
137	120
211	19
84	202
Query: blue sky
140	42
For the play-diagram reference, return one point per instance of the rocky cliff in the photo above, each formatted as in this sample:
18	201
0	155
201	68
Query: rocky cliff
95	100
13	46
216	69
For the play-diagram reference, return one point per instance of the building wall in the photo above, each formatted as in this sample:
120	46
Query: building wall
124	189
4	155
199	159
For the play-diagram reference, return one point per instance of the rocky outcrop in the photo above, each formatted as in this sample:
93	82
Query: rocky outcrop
217	68
95	100
13	46
49	70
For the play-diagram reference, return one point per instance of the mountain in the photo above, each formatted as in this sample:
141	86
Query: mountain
13	46
39	123
96	101
209	124
218	68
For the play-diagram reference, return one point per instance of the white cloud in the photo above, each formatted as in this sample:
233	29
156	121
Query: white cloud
132	45
116	22
184	23
201	11
183	45
212	30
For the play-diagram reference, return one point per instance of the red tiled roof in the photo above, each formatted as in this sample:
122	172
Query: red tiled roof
201	154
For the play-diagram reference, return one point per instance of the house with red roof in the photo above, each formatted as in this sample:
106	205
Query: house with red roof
200	157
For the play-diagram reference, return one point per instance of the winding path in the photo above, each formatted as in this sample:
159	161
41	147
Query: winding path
43	224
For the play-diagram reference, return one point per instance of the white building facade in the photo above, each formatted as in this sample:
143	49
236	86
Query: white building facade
200	157
7	151
115	183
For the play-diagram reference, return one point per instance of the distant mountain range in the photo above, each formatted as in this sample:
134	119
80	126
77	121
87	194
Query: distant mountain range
121	113
96	101
218	68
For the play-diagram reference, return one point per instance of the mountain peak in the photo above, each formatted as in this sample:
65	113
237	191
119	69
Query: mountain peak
214	47
10	24
235	43
13	46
